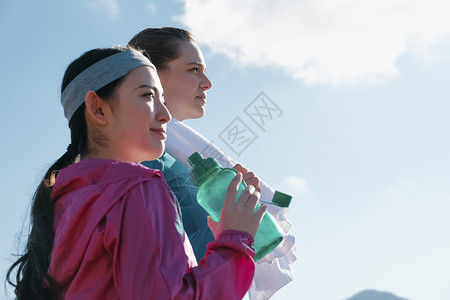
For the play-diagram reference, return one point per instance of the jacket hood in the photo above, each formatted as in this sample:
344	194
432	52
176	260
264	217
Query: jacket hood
83	194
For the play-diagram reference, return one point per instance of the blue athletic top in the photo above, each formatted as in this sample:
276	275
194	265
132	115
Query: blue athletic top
193	215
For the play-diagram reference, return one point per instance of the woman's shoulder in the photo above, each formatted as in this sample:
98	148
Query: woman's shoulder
101	171
164	163
109	167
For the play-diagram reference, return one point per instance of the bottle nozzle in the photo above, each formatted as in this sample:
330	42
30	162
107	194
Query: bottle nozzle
194	159
201	167
281	199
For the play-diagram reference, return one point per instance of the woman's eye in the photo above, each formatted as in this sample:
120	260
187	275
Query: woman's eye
149	95
194	69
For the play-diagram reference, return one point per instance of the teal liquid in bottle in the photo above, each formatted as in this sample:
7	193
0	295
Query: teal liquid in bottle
212	181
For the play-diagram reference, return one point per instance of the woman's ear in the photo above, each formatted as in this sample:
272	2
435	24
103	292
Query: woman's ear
96	109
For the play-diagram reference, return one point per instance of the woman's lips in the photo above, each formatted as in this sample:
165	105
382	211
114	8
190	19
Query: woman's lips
160	132
202	98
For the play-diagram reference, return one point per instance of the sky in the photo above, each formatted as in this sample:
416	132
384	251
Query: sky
353	122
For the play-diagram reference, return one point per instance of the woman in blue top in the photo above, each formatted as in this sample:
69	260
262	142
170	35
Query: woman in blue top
181	69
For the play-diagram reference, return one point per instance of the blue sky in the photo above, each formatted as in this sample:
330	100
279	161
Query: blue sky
361	142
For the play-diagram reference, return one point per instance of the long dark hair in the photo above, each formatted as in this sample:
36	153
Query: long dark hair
161	45
32	280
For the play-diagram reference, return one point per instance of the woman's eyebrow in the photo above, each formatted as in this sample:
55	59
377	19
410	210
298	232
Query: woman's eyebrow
196	63
152	87
145	86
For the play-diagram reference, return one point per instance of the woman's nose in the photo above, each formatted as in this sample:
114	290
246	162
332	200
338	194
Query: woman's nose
205	84
163	114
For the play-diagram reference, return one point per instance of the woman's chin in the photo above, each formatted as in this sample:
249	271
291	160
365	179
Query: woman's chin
198	114
159	153
153	155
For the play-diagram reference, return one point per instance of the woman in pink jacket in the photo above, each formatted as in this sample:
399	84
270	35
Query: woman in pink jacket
105	226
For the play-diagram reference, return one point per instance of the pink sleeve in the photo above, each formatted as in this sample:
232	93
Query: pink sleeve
226	271
144	234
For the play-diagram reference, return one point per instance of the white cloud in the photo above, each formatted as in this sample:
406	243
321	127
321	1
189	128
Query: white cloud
151	7
295	186
109	6
318	41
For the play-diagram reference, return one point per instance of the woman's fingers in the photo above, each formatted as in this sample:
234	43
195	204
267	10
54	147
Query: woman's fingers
232	189
240	168
245	195
259	214
248	176
253	200
251	179
239	215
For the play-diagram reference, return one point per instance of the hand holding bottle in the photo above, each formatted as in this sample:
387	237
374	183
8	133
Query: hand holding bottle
239	215
248	176
232	203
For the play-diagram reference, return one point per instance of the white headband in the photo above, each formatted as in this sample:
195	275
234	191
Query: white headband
99	75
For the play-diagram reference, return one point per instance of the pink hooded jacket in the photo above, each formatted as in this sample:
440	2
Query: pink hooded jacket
119	235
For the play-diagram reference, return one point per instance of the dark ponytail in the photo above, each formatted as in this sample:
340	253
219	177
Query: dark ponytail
32	280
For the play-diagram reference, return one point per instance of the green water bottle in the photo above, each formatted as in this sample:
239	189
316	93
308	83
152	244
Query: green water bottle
212	181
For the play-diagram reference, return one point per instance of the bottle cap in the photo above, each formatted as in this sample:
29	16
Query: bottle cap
194	159
201	167
281	199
